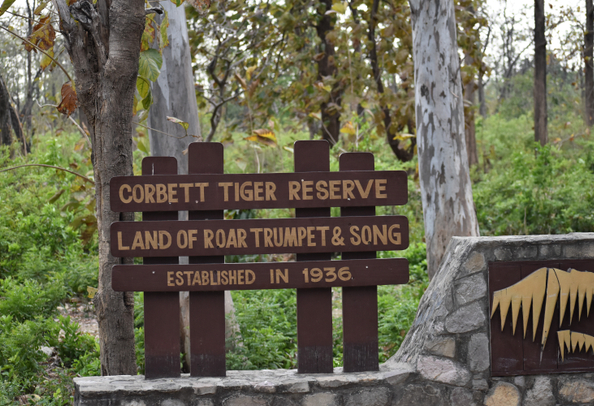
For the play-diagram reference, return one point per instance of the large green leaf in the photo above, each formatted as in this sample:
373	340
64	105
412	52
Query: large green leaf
6	5
150	64
143	86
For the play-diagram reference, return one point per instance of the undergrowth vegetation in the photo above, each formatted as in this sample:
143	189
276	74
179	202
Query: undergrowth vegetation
48	247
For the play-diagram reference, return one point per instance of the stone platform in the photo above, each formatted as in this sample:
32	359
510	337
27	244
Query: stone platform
444	360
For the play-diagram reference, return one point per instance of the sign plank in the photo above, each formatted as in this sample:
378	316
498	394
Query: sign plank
259	275
240	237
258	191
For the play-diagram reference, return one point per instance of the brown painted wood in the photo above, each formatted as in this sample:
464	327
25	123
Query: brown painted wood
161	309
513	355
240	237
249	191
314	306
359	304
207	309
260	275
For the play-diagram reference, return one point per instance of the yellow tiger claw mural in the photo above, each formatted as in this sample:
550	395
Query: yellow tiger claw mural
572	340
547	285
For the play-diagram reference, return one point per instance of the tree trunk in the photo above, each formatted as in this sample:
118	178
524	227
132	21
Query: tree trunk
174	96
326	68
104	46
589	63
469	127
5	136
481	94
448	207
540	74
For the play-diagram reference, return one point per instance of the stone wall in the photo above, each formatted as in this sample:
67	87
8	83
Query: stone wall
444	359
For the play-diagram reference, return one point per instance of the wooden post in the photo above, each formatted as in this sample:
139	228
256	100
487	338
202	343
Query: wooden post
207	309
359	304
161	309
314	306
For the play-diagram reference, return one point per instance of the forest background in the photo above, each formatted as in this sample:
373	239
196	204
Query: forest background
259	88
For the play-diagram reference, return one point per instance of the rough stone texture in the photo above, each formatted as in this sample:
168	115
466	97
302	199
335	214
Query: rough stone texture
321	399
443	370
243	400
578	391
462	397
444	359
470	289
371	397
466	318
503	394
541	393
444	346
478	352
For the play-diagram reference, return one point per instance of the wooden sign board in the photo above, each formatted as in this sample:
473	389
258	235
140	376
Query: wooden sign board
258	191
259	275
262	236
313	235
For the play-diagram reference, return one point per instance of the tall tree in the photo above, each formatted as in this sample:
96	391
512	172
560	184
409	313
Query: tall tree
448	207
540	74
103	41
589	63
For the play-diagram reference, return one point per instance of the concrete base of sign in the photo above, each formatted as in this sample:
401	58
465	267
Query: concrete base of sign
444	360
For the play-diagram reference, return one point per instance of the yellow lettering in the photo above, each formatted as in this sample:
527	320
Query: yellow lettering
137	243
347	189
382	235
171	192
366	235
355	239
122	198
186	187
121	247
220	238
322	188
270	189
323	229
224	279
212	281
161	193
189	275
241	235
240	277
268	237
282	275
138	193
380	186
179	280
192	237
334	189
364	193
294	190
205	278
196	280
208	236
256	232
258	191
310	237
182	235
395	238
248	194
232	277
149	193
290	237
164	235
170	278
151	240
201	186
250	276
225	186
302	233
231	239
307	188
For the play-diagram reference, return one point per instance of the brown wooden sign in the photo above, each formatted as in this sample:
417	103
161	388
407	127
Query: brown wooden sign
259	275
262	236
313	235
540	316
258	191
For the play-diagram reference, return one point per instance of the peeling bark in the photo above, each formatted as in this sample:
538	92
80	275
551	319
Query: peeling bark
448	207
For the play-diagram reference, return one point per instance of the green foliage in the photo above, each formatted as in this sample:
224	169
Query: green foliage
531	189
